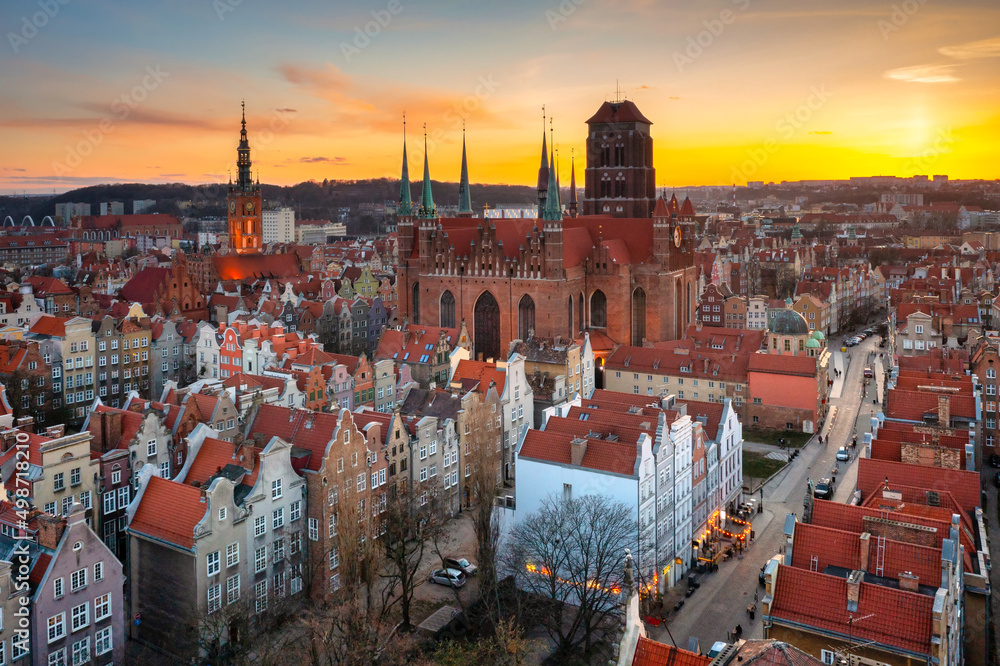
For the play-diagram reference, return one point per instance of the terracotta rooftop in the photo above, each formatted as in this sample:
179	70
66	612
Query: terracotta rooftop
600	455
169	511
650	653
892	617
964	486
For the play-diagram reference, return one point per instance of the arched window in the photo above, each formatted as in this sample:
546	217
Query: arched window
447	309
598	310
569	318
638	316
486	327
526	317
580	317
415	304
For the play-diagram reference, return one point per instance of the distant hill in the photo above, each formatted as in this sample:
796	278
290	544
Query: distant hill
311	199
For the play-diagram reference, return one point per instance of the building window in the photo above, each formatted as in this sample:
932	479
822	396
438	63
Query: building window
232	554
259	526
78	580
102	641
214	563
80	616
214	598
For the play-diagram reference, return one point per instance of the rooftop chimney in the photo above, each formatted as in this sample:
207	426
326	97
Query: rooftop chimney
863	559
944	411
909	581
854	581
578	447
50	530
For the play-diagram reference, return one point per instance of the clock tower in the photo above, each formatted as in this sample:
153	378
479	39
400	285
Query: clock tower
245	221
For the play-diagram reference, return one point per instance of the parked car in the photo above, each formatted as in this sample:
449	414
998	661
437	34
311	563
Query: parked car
462	564
823	489
868	373
994	460
450	577
843	453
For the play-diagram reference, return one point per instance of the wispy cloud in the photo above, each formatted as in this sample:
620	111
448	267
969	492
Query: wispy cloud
339	161
984	48
821	132
923	74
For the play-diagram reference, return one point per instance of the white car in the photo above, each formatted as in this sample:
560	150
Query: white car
450	577
843	454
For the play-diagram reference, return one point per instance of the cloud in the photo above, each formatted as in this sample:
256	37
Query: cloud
13	169
339	161
673	98
286	110
984	48
821	132
923	74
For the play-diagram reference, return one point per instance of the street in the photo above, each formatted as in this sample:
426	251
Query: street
721	602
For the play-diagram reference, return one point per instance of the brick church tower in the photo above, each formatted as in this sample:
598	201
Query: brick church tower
245	220
620	179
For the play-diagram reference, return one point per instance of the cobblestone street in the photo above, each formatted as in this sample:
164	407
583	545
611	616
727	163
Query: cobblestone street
721	602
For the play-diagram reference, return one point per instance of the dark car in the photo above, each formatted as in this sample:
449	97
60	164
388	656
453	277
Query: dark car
823	489
994	460
462	564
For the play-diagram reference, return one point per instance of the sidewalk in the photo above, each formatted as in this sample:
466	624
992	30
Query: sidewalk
837	362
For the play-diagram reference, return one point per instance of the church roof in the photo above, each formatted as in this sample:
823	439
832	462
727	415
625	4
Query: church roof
244	266
619	112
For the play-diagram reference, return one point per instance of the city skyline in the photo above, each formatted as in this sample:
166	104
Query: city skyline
737	90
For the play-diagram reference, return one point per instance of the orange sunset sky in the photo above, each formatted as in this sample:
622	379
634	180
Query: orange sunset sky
115	91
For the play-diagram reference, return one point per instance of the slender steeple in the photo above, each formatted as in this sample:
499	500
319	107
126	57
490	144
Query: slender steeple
405	200
552	211
543	170
427	210
243	180
464	197
573	204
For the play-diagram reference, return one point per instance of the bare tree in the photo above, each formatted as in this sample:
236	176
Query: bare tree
413	518
568	554
485	457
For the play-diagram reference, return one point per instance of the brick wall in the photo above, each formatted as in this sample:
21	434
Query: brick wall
898	531
931	456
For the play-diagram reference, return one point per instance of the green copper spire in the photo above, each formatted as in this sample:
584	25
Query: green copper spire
427	209
405	200
552	210
464	197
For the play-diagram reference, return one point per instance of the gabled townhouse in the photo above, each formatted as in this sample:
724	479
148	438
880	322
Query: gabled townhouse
427	350
165	357
78	604
341	465
515	395
432	419
122	442
60	469
70	341
274	543
384	374
176	566
618	445
571	360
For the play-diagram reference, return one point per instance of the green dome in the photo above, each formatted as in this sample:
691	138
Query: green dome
788	322
819	335
812	343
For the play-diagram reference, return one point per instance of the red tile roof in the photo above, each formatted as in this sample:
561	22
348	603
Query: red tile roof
213	455
169	511
619	112
774	364
892	617
964	486
49	325
482	373
291	426
604	456
650	653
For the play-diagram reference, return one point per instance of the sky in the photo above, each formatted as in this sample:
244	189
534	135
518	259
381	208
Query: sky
103	91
